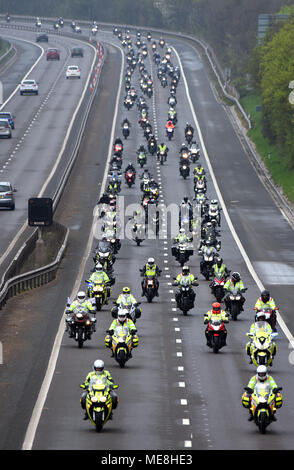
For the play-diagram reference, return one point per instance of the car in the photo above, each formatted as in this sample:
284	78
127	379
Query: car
5	129
42	38
73	71
77	52
29	86
52	54
6	195
9	117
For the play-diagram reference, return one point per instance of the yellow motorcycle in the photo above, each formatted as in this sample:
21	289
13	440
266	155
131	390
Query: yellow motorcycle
99	403
122	343
263	403
97	290
261	349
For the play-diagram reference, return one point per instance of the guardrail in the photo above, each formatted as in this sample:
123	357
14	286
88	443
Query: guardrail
12	283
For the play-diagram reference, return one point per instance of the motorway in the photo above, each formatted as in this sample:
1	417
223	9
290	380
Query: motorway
174	392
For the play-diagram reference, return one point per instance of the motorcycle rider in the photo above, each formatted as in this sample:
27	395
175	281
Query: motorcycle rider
126	299
260	322
130	167
263	377
220	268
162	148
169	125
121	320
100	275
235	282
150	269
98	373
266	301
126	121
198	170
187	278
216	313
182	237
81	302
189	128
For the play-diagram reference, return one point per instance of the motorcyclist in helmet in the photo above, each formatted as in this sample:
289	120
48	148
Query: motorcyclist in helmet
126	299
265	301
121	320
235	282
100	275
98	373
261	376
150	269
216	313
185	277
81	302
261	323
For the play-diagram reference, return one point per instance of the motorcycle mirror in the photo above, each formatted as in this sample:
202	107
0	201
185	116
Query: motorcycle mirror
113	314
274	335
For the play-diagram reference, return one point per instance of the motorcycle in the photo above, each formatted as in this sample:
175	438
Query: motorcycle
130	178
169	132
216	330
184	170
261	348
122	343
182	253
213	216
263	402
150	287
189	135
98	291
161	156
128	103
194	152
186	300
126	131
152	147
235	303
208	260
142	159
217	287
200	186
99	403
81	326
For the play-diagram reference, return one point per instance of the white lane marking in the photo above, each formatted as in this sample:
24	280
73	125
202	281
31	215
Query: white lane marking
35	418
248	263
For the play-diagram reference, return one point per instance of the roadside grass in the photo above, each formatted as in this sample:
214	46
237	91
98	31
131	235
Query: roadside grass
272	155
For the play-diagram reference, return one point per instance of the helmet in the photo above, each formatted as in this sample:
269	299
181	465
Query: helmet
216	307
98	366
185	199
208	224
236	277
219	261
151	261
260	315
122	315
182	230
98	267
126	290
185	270
261	373
81	297
265	296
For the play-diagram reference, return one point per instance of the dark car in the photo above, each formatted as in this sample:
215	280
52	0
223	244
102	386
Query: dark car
52	54
77	52
8	116
42	38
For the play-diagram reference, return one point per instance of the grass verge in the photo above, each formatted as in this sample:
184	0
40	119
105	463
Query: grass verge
272	155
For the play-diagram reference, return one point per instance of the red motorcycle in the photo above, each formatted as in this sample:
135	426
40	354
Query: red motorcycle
217	286
216	334
130	178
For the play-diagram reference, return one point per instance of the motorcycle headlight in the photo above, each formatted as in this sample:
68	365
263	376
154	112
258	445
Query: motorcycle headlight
238	297
210	258
103	399
95	289
232	297
94	399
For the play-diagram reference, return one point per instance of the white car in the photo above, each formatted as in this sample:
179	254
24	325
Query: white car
29	86
73	71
